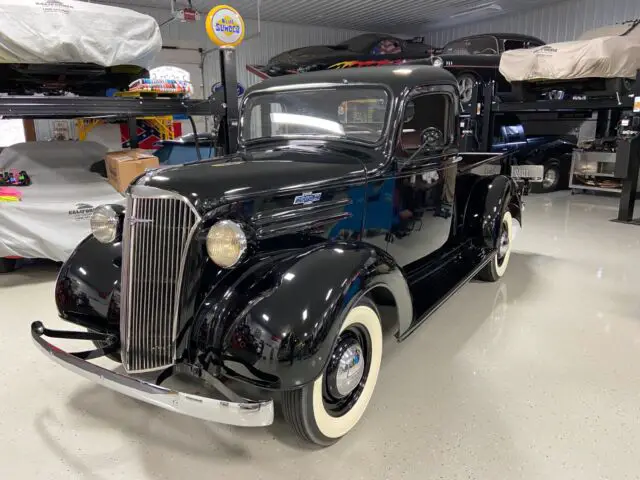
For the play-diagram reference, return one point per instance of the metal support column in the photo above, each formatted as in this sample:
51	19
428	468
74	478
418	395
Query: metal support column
487	117
230	82
628	161
132	124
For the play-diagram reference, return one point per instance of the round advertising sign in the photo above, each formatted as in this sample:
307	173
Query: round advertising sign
225	26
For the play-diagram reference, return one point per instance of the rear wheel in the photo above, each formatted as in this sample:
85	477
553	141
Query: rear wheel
551	178
326	410
497	267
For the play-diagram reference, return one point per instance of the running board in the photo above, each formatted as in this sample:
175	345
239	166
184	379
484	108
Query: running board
466	272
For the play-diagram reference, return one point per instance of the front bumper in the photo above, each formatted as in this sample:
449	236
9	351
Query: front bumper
244	414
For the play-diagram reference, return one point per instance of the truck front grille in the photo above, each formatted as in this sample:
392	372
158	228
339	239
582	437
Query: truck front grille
158	229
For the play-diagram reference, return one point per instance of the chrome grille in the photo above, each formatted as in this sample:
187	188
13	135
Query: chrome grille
158	229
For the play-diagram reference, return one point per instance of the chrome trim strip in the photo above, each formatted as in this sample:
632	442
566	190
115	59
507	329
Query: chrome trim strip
242	414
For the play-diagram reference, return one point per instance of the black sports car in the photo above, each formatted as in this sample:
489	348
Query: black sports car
477	58
367	50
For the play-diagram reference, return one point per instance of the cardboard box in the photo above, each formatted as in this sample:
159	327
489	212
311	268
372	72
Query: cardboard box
124	166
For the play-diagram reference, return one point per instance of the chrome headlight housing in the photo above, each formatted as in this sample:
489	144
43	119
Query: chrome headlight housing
226	243
437	62
105	222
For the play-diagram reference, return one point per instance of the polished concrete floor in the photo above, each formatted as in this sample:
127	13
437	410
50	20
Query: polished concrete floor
535	377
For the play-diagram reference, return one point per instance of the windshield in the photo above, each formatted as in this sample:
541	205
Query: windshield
361	42
352	113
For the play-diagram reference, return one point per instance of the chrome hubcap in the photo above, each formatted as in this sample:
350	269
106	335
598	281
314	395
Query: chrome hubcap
504	244
350	370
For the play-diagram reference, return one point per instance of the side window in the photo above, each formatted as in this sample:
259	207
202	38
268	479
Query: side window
460	47
514	44
483	46
387	46
427	119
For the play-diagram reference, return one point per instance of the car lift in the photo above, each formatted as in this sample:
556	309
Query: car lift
477	126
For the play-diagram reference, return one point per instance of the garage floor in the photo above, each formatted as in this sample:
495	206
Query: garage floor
534	377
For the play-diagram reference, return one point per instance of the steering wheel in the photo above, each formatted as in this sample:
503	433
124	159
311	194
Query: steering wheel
432	137
489	50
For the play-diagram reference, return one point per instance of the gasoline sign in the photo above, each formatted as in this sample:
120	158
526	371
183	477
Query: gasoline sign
225	26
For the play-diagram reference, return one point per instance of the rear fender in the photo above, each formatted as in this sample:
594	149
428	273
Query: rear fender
274	325
489	199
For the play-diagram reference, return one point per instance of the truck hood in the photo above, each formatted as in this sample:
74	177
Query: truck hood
248	174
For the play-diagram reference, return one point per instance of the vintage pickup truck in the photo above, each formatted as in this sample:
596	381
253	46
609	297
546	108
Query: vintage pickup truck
264	274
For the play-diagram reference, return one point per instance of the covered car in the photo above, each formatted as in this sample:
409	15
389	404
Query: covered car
606	52
66	45
53	215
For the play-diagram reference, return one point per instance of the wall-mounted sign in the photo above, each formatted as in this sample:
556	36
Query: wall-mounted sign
218	87
225	26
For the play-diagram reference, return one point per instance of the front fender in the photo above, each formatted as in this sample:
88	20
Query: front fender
489	198
274	325
87	290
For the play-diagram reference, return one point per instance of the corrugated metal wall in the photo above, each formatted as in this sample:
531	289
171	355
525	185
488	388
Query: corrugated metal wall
553	23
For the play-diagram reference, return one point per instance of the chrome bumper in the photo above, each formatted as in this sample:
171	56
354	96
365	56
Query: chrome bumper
243	414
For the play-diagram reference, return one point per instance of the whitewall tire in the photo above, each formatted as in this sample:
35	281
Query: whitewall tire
324	411
497	267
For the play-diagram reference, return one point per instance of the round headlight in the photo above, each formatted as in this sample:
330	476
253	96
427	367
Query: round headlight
104	224
438	62
226	243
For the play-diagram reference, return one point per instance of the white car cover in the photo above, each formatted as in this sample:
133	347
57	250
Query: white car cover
53	216
68	31
601	53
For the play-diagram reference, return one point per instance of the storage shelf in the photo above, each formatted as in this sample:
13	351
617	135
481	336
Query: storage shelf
563	105
104	107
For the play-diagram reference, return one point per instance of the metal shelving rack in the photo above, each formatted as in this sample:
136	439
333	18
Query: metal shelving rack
112	108
480	122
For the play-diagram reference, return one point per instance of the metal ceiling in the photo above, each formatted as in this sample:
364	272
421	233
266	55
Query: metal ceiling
397	16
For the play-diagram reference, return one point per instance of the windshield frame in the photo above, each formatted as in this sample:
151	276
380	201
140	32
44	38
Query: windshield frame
384	134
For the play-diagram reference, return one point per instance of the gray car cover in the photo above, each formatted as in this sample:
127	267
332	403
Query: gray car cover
53	216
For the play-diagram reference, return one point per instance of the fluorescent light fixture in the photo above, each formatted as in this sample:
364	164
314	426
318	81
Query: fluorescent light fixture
306	121
485	7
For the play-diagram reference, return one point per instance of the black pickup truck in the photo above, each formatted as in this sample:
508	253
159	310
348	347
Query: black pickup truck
263	274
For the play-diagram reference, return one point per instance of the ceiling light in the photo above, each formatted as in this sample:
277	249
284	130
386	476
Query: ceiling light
485	7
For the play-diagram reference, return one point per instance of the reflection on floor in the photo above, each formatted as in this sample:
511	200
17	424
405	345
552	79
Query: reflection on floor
534	377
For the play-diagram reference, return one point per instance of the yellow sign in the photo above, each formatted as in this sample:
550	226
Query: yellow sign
225	26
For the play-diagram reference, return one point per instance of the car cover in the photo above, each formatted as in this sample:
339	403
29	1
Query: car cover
67	31
607	52
53	215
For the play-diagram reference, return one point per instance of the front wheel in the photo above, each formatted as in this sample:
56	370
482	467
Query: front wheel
324	411
497	267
